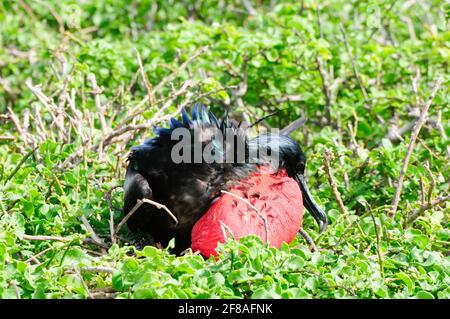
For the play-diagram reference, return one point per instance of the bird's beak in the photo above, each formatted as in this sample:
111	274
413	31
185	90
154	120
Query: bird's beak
311	205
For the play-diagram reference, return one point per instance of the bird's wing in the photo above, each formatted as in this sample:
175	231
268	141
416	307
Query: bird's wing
292	126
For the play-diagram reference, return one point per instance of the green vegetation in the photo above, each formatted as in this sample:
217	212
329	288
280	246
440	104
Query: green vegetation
360	72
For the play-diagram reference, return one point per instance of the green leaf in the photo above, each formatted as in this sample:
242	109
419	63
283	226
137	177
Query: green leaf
424	295
407	281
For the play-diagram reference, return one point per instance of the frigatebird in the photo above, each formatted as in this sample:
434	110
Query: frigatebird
269	176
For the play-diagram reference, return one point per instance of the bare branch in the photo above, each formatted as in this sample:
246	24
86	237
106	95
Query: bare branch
46	238
136	207
85	286
380	257
98	269
333	184
111	213
35	257
171	76
7	138
91	231
147	84
100	111
410	149
438	201
355	68
308	239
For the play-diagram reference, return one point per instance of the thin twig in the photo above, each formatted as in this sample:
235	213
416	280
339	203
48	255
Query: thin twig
147	84
17	124
171	76
248	6
103	295
355	68
100	111
410	149
35	257
226	231
380	258
308	239
433	182
108	270
91	231
427	206
16	288
7	138
136	207
422	191
85	286
333	184
263	218
325	88
111	213
155	119
49	105
45	238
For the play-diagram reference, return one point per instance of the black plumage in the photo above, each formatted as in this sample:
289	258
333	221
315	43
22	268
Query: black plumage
188	189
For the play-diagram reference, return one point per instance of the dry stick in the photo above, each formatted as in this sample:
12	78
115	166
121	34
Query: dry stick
85	286
58	19
27	8
45	238
136	207
355	68
438	201
124	129
325	88
16	289
16	123
104	295
171	76
100	111
319	22
266	226
323	73
385	14
226	231
111	213
147	83
333	184
7	138
150	123
92	233
47	103
380	258
422	191
308	239
248	6
442	131
433	182
98	269
61	110
35	257
410	149
163	82
39	124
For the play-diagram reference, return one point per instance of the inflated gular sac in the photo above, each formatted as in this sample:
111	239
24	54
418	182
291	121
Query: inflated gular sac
277	198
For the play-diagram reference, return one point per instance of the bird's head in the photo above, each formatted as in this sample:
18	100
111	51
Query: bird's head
282	152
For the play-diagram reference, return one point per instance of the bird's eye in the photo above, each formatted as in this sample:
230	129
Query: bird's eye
300	167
